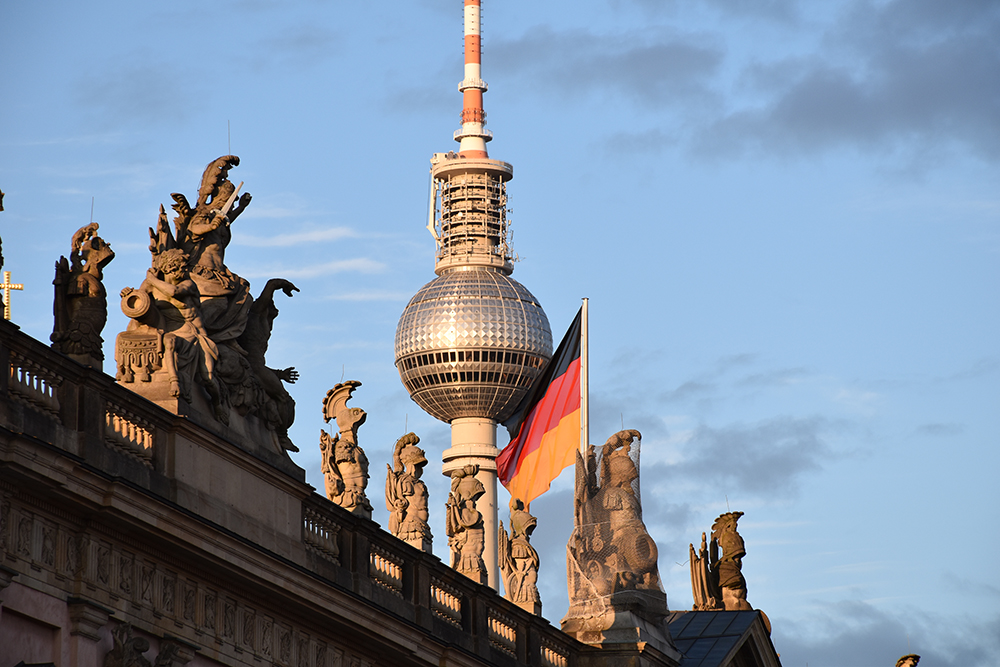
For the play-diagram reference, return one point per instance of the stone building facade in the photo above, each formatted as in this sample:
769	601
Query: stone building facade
132	536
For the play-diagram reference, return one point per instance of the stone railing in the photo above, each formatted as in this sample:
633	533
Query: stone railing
446	603
52	399
452	608
320	534
128	433
72	406
33	384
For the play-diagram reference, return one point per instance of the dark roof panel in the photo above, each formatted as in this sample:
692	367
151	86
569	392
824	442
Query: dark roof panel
705	638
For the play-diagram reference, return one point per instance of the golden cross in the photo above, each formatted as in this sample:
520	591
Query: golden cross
7	286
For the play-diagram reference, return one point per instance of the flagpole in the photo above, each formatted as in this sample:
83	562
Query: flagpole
584	384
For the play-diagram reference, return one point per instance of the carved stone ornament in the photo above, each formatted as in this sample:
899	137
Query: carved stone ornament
519	560
718	582
345	466
406	495
81	302
464	524
196	339
614	583
128	651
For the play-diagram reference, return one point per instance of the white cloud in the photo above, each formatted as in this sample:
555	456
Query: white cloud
296	238
370	295
360	265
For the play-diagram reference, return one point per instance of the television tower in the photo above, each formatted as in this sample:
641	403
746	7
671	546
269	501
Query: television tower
471	342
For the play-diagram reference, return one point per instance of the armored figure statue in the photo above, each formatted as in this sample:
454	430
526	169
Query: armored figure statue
611	559
197	340
519	560
464	523
406	495
345	466
730	566
718	583
910	660
81	302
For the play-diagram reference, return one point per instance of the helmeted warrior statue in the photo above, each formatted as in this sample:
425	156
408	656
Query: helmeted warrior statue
519	560
406	494
81	302
614	585
345	466
464	524
196	340
718	582
910	660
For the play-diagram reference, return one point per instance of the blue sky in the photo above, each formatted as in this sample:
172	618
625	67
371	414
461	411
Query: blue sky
785	214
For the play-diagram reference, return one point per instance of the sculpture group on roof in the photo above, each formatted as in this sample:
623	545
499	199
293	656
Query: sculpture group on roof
195	333
611	559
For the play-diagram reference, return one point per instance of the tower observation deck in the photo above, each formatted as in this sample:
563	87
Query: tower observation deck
470	342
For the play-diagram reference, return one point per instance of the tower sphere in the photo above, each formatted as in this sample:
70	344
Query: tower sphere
470	343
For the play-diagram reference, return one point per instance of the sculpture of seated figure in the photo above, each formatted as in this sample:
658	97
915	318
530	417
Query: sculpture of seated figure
173	311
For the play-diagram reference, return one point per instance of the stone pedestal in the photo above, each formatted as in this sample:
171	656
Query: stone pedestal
625	635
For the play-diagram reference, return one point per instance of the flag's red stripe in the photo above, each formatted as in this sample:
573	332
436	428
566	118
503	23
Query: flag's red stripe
562	398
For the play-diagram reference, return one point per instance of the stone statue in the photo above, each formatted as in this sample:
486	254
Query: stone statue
718	583
611	559
464	524
81	302
730	566
196	340
204	233
519	560
910	660
406	495
345	466
278	409
704	582
168	306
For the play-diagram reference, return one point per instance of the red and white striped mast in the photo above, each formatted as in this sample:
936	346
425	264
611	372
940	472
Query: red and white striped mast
473	136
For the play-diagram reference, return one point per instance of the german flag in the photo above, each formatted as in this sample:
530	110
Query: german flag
545	428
